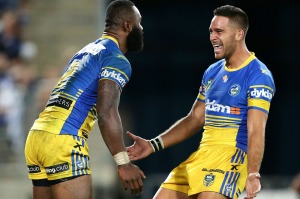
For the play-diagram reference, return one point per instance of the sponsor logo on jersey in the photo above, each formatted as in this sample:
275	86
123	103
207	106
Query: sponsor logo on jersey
60	102
92	48
261	92
225	78
33	169
213	170
114	75
57	168
215	107
264	71
234	90
85	134
208	85
121	57
79	164
228	187
208	179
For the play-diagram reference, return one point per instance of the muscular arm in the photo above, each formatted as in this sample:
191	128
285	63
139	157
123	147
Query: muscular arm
112	132
109	120
180	131
256	125
185	127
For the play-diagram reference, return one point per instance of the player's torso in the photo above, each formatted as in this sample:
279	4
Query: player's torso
226	105
71	108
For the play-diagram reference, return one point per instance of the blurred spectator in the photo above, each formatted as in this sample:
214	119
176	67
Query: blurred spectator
10	37
16	75
8	104
45	86
296	184
18	5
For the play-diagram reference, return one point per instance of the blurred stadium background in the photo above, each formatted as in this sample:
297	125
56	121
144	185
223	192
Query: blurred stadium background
37	37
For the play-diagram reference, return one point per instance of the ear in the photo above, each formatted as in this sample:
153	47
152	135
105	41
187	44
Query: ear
127	26
240	34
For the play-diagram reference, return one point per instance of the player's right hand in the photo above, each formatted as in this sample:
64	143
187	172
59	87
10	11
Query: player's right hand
140	149
132	178
253	185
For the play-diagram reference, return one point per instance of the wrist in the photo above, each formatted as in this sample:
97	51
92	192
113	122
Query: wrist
254	174
157	144
121	158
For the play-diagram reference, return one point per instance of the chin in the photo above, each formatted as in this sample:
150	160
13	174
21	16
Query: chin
218	56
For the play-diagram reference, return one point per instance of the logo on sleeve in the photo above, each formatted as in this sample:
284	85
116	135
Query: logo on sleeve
261	93
113	75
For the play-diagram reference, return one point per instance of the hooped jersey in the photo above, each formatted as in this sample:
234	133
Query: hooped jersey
71	108
228	94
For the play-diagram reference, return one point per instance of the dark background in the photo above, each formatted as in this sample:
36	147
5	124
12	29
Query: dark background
167	75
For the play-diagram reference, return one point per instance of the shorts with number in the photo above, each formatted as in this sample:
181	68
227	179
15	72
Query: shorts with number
217	168
51	156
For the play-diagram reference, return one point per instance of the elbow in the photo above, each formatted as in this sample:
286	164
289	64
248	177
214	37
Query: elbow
106	114
103	114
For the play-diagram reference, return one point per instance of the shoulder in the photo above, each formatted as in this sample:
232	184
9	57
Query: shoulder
261	75
215	67
112	53
259	69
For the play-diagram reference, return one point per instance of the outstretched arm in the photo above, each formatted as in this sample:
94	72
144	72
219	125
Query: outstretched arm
180	131
256	125
112	132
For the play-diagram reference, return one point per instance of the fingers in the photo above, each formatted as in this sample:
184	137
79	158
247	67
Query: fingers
142	174
136	186
258	190
132	178
130	153
131	135
251	192
125	185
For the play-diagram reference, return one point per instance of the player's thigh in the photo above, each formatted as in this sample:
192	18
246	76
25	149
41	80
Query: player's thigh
41	192
77	188
163	193
210	195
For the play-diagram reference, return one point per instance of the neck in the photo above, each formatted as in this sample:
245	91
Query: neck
237	58
120	39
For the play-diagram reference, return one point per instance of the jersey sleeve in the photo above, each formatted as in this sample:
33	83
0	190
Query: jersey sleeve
205	84
118	69
261	92
201	94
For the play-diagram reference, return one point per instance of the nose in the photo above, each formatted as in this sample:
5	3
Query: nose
212	36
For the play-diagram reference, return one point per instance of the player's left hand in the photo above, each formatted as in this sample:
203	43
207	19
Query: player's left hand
132	178
140	149
253	185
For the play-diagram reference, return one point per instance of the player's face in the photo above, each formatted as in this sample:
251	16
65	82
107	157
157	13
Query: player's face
222	37
135	39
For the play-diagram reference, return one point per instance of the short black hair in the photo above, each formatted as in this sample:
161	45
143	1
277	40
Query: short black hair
118	11
237	15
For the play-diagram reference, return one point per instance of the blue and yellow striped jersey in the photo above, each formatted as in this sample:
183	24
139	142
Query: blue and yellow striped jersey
228	94
71	108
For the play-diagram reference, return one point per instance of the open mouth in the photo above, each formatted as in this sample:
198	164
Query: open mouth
217	48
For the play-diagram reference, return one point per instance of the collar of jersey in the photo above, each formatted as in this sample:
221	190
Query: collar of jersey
111	38
243	65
